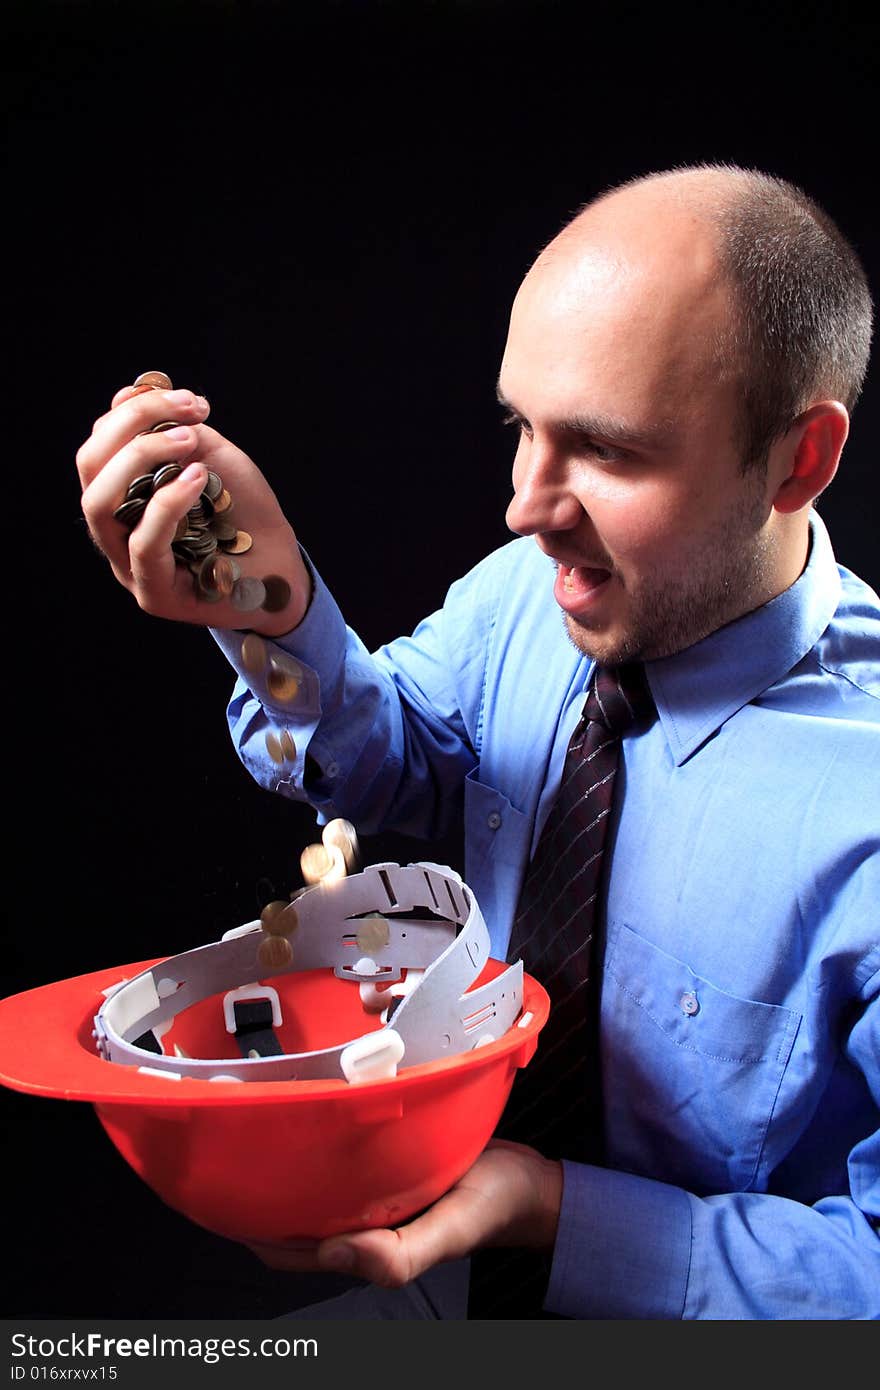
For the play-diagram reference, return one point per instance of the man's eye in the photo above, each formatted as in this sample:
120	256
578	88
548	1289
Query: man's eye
605	453
511	418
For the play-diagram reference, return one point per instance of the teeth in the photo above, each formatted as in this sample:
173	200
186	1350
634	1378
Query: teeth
568	582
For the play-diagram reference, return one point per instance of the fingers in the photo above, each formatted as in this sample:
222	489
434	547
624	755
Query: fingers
119	428
151	560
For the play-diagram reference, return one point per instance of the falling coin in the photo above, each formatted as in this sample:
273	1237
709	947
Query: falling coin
253	654
288	747
247	594
274	952
283	679
274	749
373	933
343	834
322	864
279	918
277	593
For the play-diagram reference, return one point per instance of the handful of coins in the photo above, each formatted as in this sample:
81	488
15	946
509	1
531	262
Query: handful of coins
328	862
207	539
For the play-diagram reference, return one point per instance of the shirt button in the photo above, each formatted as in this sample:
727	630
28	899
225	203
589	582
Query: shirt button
493	820
689	1003
331	770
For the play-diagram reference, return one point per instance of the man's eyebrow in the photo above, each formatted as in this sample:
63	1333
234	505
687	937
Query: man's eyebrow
614	430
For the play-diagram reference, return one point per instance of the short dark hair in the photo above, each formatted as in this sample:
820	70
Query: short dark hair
801	329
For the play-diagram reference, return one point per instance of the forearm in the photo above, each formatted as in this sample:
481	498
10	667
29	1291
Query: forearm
376	739
630	1247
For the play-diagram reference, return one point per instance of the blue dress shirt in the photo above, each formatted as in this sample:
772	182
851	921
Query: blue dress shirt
740	1019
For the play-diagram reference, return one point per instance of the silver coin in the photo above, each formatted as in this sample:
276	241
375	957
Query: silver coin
214	485
248	594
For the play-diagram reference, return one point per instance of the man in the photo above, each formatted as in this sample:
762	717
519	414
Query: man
681	364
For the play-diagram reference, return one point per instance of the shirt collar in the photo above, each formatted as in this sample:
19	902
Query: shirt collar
697	689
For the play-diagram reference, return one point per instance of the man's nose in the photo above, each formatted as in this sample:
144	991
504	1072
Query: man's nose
543	500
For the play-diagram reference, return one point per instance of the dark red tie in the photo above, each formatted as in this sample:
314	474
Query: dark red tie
555	1105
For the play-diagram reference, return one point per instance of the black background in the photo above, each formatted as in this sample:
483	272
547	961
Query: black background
317	216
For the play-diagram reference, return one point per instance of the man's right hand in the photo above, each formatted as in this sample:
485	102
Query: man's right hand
118	451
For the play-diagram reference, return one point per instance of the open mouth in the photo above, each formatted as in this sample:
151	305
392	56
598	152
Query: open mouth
577	587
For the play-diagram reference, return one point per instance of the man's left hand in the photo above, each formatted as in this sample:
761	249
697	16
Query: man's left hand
510	1197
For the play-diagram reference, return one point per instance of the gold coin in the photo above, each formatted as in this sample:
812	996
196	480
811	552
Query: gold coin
273	748
282	680
157	380
342	833
279	918
373	933
241	544
320	862
288	747
254	654
274	952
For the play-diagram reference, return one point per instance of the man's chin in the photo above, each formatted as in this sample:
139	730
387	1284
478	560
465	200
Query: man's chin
608	648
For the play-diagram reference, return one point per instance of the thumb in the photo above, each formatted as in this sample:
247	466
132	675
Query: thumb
394	1258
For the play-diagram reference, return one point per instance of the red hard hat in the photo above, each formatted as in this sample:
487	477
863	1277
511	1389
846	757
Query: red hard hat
351	1115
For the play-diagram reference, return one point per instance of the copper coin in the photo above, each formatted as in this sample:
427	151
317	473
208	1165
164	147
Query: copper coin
241	545
274	952
274	749
288	747
157	380
139	390
222	502
277	593
283	680
163	425
253	654
131	511
142	486
166	474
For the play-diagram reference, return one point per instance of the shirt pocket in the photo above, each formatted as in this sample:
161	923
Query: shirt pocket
691	1071
497	838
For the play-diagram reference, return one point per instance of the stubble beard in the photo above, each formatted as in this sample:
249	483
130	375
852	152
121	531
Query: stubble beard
731	574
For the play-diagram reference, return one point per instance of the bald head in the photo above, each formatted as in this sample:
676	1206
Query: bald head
742	258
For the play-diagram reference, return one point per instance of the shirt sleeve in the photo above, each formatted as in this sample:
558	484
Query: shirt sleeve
632	1247
384	739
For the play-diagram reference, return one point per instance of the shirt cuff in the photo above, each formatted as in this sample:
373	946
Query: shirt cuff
299	664
623	1249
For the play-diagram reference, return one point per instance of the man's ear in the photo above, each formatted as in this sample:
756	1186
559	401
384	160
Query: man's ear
811	452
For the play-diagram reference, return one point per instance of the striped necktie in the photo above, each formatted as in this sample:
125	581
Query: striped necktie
555	1105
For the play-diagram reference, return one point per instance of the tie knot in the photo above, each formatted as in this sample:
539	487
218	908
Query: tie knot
618	697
